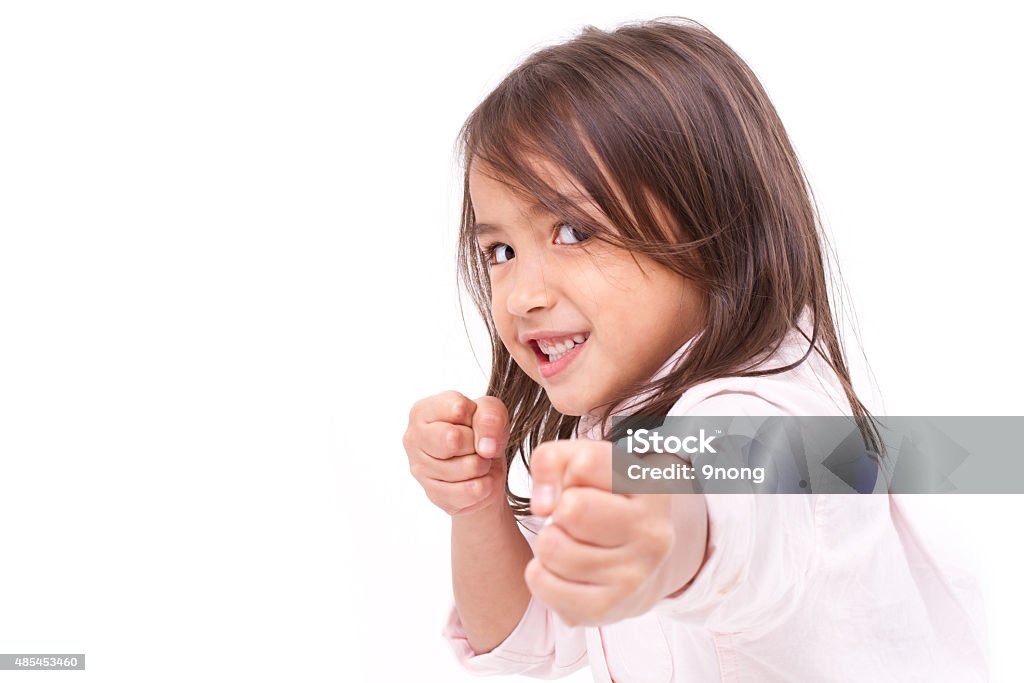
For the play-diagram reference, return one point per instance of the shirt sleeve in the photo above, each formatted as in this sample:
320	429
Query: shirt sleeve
540	646
760	548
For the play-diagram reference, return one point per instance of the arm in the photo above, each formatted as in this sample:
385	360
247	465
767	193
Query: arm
760	549
689	512
494	625
540	645
489	555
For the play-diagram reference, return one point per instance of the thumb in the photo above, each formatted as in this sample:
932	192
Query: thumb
548	463
490	427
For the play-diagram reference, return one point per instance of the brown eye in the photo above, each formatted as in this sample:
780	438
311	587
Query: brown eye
567	234
499	253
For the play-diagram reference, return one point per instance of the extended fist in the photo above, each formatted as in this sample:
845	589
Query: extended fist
602	556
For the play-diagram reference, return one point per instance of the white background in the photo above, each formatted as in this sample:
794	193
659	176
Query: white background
227	270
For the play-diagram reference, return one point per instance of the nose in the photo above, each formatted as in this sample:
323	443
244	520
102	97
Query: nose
531	289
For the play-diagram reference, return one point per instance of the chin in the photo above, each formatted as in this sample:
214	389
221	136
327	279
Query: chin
567	407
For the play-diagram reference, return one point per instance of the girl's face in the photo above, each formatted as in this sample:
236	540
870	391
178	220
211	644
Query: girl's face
582	324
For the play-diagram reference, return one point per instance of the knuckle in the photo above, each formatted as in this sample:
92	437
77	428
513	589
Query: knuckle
490	421
532	576
547	544
482	467
542	457
462	408
571	504
580	464
416	407
472	488
634	578
449	395
463	468
491	412
450	439
584	460
452	399
660	538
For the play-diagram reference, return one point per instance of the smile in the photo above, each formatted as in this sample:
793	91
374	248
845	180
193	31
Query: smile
553	358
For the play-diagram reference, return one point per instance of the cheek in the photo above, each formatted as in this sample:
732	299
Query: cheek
498	311
621	320
507	334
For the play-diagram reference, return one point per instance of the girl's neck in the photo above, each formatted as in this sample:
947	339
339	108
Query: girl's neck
590	422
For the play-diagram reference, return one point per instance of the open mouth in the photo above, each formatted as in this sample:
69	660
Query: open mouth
549	352
551	358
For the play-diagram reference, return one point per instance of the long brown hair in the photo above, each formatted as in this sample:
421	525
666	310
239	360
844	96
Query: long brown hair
710	188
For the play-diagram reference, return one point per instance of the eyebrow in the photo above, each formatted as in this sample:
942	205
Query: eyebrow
479	229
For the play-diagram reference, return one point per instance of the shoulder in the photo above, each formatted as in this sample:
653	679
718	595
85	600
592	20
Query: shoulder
725	398
810	388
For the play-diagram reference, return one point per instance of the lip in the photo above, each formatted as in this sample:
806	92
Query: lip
550	369
527	337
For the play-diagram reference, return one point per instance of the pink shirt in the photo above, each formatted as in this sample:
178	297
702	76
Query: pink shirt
816	587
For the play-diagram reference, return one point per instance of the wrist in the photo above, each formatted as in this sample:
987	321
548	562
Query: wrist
495	512
689	546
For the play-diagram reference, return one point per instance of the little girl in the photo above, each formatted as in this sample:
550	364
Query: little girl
639	238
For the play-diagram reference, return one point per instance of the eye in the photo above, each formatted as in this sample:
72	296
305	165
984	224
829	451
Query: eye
570	235
499	252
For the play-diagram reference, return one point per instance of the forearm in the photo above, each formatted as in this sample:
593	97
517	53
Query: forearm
690	525
489	556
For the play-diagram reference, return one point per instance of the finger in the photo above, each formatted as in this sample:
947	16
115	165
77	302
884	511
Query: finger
592	516
567	598
591	465
572	560
445	440
490	426
547	465
595	466
448	406
458	495
459	468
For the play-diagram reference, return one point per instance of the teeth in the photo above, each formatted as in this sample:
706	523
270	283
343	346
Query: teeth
556	351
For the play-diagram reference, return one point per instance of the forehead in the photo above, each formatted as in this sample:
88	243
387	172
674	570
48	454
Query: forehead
486	184
494	198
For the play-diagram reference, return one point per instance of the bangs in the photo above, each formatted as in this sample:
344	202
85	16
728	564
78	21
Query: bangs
534	145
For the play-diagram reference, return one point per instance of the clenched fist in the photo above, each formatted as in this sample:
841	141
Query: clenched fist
456	449
605	556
